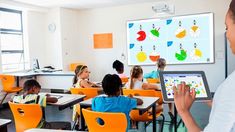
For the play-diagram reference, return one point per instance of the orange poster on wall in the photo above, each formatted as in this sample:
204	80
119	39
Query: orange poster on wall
104	40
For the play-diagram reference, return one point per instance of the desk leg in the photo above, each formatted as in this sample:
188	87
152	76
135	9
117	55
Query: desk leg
17	81
175	119
3	128
82	120
154	117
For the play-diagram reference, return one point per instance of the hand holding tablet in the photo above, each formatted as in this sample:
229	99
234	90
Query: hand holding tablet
194	79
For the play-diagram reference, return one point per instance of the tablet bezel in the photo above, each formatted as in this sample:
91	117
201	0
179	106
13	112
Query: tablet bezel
163	88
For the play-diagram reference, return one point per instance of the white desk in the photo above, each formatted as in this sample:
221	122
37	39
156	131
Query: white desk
148	102
3	124
48	80
49	130
67	100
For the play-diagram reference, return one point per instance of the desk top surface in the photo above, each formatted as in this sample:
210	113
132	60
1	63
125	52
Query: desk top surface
4	122
147	102
32	73
64	98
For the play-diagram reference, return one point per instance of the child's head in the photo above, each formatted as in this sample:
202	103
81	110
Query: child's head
32	86
137	73
82	72
112	85
161	63
118	65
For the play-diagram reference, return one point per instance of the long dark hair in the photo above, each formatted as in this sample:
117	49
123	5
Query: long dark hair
135	73
79	69
232	9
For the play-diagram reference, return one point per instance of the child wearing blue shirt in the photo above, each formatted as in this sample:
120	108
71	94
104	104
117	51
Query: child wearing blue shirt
161	64
114	101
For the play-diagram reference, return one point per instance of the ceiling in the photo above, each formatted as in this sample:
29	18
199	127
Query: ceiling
81	4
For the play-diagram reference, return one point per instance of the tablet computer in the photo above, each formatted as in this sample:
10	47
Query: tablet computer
195	79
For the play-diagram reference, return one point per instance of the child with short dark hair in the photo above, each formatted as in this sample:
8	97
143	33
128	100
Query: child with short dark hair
114	101
31	96
119	67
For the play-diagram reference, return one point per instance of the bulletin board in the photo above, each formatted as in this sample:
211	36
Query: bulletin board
185	39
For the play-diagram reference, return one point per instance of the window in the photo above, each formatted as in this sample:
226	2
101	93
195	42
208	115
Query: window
11	41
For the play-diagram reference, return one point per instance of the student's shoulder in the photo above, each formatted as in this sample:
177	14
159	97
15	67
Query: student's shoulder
98	98
125	98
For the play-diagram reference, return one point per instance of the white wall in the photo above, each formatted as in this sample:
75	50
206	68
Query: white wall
114	19
36	28
69	36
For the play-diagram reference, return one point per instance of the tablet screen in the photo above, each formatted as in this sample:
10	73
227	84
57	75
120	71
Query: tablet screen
196	80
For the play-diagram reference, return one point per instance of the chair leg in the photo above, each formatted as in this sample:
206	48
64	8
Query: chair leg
3	98
163	120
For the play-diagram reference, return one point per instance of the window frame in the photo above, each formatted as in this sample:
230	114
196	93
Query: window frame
14	32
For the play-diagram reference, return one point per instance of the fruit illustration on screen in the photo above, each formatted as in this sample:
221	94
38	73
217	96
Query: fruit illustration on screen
196	53
141	56
180	32
195	30
182	55
141	35
154	56
154	33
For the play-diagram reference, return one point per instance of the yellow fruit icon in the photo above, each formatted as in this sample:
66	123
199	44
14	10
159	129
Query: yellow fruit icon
180	33
141	56
194	28
196	54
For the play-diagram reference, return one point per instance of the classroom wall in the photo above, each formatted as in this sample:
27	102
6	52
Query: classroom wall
36	28
113	20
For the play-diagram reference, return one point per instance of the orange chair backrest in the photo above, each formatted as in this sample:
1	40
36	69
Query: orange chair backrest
124	79
26	116
149	93
134	114
112	121
73	66
89	92
153	80
8	82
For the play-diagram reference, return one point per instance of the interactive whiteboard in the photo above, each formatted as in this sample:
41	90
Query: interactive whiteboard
180	40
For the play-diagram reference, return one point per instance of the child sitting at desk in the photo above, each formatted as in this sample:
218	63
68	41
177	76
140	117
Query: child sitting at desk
80	79
161	64
114	101
31	96
136	81
119	67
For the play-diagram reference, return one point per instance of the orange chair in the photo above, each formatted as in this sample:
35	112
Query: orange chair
26	116
146	117
89	92
73	66
124	80
8	83
112	121
153	80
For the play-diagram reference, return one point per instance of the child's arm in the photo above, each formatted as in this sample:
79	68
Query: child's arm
148	75
139	101
150	86
51	99
85	84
